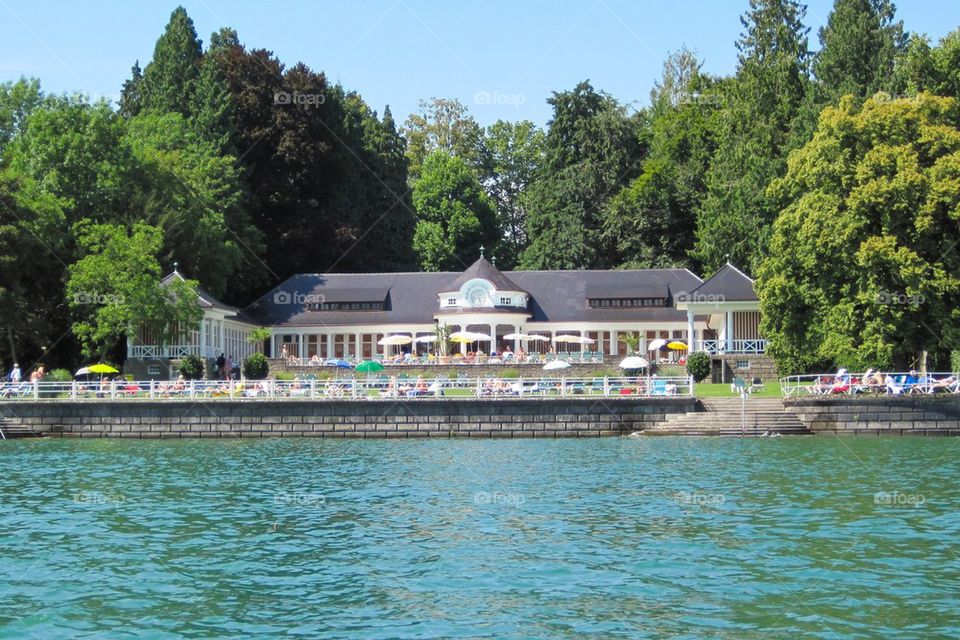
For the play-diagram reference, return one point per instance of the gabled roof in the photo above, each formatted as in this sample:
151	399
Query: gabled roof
729	283
205	299
483	269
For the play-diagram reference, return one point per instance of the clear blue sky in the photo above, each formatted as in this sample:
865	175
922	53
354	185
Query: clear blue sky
509	54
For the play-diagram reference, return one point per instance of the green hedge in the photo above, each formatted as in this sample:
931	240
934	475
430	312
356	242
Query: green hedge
698	366
256	367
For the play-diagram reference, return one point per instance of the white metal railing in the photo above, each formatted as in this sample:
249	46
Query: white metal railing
717	347
161	352
372	387
843	383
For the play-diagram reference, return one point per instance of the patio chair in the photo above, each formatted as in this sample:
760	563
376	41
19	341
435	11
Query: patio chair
755	385
738	386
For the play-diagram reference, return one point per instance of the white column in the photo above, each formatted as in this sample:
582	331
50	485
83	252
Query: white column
329	345
728	330
613	342
516	342
493	343
690	332
356	345
300	345
203	338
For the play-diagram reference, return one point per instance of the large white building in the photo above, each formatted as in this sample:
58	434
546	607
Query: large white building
346	315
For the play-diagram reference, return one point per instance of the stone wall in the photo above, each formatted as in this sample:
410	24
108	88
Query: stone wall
725	367
422	417
879	415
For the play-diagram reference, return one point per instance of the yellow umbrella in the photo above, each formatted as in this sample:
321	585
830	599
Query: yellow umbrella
462	338
676	345
101	368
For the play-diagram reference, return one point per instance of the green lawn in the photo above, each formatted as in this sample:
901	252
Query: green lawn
771	389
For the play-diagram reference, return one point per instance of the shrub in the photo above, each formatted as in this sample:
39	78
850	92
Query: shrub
955	361
256	367
284	376
191	367
58	375
698	365
509	373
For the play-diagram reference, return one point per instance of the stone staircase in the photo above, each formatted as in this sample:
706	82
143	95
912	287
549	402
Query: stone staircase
13	430
727	417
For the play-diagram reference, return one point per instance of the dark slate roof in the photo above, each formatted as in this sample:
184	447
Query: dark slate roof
556	296
729	283
356	294
483	269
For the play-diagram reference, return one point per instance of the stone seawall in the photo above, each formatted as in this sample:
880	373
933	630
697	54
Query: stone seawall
484	418
879	415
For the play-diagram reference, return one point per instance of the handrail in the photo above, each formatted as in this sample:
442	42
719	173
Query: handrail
843	383
371	387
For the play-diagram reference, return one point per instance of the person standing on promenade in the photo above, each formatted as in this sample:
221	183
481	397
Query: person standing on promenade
15	374
221	363
228	368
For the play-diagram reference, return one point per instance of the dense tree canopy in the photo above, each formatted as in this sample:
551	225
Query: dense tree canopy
863	268
454	215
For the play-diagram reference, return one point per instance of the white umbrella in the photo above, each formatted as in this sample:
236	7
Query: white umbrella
633	362
82	371
425	339
556	364
518	336
566	338
480	336
656	344
395	340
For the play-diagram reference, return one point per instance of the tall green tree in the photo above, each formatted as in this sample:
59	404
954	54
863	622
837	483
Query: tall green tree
511	153
212	106
169	80
441	125
858	48
17	101
195	196
593	148
117	285
864	269
131	97
757	131
454	215
652	221
32	239
932	69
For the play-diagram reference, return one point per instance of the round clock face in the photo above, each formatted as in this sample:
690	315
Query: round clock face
477	297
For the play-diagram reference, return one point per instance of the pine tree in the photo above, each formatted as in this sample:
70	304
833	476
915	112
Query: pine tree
130	96
212	107
859	46
757	133
170	78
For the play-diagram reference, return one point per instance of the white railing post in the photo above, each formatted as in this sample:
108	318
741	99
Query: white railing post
73	390
193	390
152	392
36	390
563	386
690	382
313	388
520	388
606	386
478	387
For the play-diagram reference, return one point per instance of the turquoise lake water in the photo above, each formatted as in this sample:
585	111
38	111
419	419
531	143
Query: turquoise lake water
620	537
